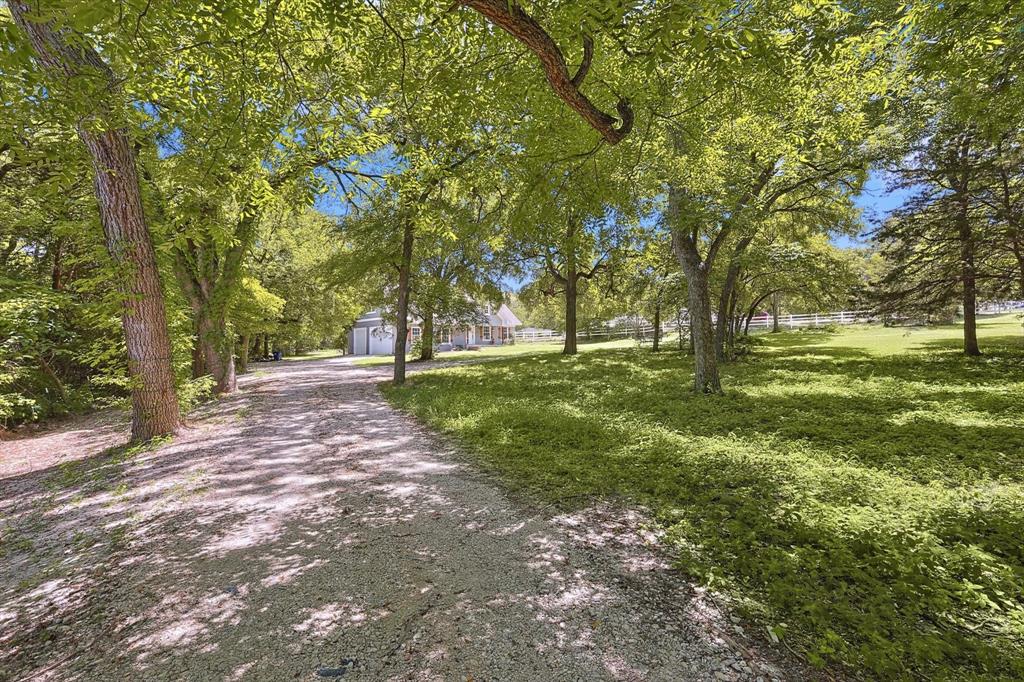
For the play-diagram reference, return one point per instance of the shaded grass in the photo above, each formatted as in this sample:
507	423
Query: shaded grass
505	351
860	492
315	355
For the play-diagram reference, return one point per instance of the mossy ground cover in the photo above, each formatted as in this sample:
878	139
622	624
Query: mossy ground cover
859	492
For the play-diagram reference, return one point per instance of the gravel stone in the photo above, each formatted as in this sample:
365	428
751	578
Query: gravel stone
303	524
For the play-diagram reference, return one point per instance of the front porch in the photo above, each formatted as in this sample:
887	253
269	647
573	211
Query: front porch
449	338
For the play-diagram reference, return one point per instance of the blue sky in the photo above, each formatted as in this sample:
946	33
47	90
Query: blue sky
877	203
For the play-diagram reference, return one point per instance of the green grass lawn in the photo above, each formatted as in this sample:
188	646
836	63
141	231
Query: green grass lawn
859	492
507	351
315	355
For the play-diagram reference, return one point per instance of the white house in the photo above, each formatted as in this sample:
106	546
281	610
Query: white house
370	335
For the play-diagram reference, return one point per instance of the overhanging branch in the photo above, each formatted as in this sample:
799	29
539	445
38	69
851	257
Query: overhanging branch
508	15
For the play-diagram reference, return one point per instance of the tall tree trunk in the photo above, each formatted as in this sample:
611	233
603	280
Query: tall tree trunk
968	276
724	320
702	334
208	277
775	312
734	322
752	310
218	350
198	358
427	338
1018	252
155	408
402	325
657	328
243	354
266	345
679	329
571	294
214	350
696	270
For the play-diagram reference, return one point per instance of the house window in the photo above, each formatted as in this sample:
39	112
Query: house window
486	333
446	336
416	332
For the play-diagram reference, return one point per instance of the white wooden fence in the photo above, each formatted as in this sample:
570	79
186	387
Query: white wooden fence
997	307
758	322
764	321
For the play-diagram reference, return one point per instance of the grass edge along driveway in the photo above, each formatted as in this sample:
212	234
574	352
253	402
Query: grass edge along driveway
860	493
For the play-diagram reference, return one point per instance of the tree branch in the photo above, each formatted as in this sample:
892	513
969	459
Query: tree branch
508	15
588	57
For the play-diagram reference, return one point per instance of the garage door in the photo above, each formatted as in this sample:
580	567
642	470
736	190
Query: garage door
359	339
382	341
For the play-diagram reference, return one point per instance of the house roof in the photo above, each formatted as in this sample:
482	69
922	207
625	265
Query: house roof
503	317
509	318
371	316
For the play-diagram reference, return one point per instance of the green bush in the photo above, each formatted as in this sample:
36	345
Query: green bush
39	370
194	392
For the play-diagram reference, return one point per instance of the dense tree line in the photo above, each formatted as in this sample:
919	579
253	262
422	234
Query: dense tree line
220	178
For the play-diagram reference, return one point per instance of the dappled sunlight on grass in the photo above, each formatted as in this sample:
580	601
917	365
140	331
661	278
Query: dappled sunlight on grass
865	487
504	351
305	529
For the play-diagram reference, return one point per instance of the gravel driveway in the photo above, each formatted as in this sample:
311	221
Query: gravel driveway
303	529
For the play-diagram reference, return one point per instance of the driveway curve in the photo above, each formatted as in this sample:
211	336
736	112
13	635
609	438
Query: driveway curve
303	529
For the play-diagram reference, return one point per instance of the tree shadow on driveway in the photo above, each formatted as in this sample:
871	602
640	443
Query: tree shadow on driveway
305	528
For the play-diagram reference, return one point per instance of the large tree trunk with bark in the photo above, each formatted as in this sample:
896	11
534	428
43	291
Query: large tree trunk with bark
155	408
402	324
208	278
571	295
657	328
198	359
218	350
243	354
702	333
679	329
1017	246
427	338
968	277
214	350
705	377
724	320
